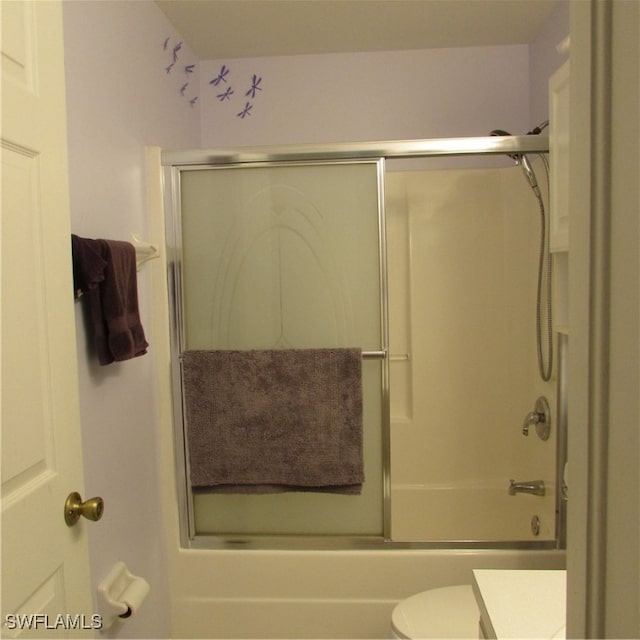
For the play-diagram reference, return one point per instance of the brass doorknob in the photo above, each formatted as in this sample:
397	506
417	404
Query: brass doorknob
74	507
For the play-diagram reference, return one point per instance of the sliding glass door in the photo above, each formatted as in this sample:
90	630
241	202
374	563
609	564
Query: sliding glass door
287	256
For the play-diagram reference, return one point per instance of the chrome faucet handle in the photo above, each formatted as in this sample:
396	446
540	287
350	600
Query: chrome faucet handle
541	417
533	417
534	487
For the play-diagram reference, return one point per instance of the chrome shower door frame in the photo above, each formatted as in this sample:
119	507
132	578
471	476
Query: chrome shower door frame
173	163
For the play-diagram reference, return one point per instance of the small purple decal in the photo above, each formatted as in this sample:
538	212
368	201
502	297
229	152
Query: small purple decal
226	95
255	86
251	93
175	51
246	111
221	77
188	68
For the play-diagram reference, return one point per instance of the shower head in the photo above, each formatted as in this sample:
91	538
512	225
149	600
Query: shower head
531	176
534	132
538	130
522	159
500	132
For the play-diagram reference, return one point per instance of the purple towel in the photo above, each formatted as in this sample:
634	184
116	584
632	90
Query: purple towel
272	421
88	264
105	271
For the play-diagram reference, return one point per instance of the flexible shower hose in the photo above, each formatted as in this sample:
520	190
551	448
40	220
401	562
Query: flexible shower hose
544	275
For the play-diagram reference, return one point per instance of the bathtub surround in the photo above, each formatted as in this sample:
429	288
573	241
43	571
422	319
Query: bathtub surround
462	278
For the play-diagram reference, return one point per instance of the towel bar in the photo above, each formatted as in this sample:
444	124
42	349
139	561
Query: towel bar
366	355
144	250
374	355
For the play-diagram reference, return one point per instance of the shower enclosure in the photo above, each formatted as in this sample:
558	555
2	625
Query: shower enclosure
431	272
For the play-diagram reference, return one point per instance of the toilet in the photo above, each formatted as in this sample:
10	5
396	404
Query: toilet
448	612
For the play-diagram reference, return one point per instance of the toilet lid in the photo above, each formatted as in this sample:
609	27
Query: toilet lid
448	612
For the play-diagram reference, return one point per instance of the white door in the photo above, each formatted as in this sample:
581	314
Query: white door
45	568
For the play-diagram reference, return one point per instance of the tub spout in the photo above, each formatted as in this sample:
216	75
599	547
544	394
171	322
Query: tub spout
535	487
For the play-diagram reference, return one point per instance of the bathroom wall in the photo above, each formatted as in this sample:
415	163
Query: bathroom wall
119	99
366	96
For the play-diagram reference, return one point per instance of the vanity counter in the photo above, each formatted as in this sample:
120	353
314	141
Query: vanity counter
521	603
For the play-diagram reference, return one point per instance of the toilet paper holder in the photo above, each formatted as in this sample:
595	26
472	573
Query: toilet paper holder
120	594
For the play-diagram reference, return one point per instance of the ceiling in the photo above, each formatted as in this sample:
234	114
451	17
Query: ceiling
217	29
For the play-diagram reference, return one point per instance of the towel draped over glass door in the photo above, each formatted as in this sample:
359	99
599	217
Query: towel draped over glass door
286	257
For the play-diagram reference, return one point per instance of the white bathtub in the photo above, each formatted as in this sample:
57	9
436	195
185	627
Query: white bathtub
318	594
472	510
339	594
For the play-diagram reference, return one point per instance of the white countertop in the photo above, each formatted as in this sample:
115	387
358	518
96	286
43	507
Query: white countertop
520	603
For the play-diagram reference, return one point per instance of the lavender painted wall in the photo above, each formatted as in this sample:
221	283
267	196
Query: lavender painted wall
366	96
388	95
119	99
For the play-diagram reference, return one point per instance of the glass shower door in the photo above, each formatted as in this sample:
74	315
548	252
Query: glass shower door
287	257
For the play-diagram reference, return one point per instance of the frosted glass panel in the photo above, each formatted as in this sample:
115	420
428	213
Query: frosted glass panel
281	257
287	257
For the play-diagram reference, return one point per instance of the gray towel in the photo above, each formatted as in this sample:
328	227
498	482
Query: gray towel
272	421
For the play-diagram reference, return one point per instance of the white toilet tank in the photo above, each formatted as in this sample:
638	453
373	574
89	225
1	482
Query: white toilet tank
448	612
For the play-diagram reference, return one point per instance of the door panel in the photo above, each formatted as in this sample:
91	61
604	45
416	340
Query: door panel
44	562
